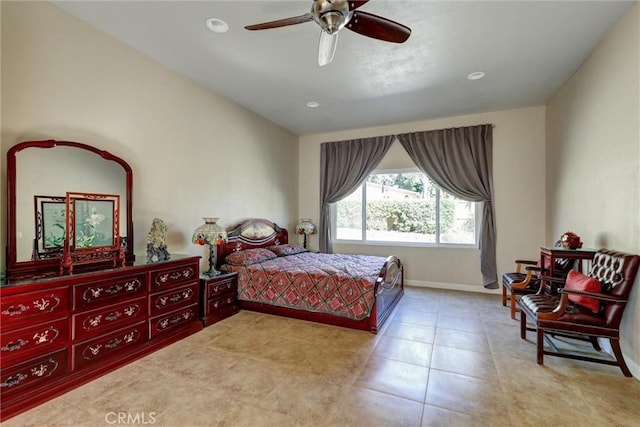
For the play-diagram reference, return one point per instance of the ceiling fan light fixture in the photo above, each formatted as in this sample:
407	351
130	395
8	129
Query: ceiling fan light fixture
476	75
333	15
313	104
332	21
217	25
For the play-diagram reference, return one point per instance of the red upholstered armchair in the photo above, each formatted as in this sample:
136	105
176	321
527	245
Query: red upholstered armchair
588	308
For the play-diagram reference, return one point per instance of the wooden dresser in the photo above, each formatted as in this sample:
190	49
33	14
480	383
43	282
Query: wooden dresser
59	333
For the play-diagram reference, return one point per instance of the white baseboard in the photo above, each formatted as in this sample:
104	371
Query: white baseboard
451	286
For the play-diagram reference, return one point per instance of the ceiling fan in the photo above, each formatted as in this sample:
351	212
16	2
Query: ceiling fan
333	15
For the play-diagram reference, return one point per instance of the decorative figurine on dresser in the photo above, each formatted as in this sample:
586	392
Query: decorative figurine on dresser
157	241
58	331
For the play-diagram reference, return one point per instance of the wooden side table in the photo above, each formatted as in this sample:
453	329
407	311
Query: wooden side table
577	254
218	297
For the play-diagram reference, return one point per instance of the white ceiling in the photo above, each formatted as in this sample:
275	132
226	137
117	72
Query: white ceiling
527	49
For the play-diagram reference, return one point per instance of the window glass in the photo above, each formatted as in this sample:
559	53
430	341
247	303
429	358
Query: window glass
405	207
349	217
457	220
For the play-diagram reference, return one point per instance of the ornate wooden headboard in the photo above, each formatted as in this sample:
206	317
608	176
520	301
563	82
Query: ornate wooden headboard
252	233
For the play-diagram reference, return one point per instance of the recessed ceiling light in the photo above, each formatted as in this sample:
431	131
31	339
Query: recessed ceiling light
217	25
476	75
313	104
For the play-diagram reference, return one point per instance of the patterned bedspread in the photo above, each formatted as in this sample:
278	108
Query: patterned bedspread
336	284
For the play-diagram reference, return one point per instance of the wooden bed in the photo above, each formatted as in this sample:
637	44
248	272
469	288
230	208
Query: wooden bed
356	291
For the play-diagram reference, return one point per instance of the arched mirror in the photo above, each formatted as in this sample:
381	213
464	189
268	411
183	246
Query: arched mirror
39	174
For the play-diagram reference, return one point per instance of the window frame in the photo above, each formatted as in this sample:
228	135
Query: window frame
438	243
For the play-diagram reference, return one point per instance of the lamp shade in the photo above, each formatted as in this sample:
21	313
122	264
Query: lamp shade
306	227
209	233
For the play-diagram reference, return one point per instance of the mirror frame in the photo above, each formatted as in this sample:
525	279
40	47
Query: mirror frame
43	267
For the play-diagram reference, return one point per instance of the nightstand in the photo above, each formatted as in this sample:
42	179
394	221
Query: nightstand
218	297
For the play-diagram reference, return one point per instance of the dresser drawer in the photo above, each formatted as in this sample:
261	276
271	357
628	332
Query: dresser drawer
215	289
35	372
33	307
174	276
97	293
32	341
221	303
219	308
99	321
173	299
169	322
109	345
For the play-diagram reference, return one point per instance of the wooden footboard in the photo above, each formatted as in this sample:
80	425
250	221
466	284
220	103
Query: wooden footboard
388	291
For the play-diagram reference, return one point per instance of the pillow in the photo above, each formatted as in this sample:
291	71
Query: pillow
284	250
249	256
579	282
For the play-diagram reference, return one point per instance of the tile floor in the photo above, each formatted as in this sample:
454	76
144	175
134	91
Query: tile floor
444	359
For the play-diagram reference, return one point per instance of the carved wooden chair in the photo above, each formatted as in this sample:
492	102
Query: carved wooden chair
588	307
520	282
526	279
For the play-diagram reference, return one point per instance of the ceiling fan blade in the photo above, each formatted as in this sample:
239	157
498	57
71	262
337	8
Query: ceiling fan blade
281	22
377	27
353	4
327	47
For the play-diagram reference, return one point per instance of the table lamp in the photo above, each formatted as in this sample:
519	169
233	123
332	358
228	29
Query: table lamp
210	234
305	228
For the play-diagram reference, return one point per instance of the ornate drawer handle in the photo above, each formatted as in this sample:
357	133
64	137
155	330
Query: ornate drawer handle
13	310
113	343
113	289
13	346
113	316
175	298
11	381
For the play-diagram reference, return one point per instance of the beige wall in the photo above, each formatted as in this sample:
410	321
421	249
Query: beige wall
518	174
193	153
593	157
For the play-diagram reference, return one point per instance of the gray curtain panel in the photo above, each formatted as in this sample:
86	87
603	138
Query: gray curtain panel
460	161
344	165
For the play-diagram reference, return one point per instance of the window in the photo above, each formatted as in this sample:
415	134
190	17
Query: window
405	207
